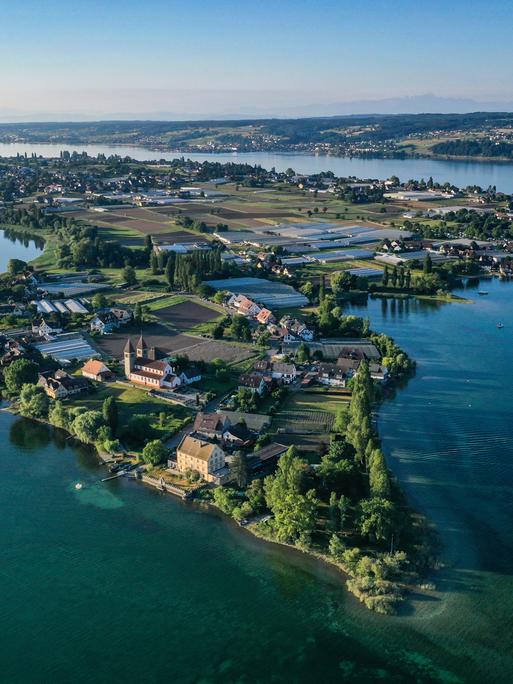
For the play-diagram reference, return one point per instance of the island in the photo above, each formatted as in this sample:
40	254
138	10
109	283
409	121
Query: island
188	320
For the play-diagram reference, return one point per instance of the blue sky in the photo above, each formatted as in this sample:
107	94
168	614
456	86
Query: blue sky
226	56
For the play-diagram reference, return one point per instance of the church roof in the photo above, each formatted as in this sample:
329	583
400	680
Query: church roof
128	346
141	344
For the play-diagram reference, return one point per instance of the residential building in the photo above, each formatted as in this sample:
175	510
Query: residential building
61	385
238	435
104	322
284	372
253	382
348	366
194	453
211	425
331	375
110	319
265	316
44	329
95	369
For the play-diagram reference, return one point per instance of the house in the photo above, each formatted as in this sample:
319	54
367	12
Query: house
110	319
211	425
123	315
348	366
190	375
104	322
194	453
253	382
95	369
238	435
143	368
61	385
292	330
44	329
378	372
261	366
331	375
265	316
284	372
244	305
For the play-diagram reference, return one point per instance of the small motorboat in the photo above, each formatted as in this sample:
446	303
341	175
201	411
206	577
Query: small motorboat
500	325
482	292
79	485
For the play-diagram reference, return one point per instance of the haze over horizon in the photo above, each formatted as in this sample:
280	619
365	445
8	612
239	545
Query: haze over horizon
167	60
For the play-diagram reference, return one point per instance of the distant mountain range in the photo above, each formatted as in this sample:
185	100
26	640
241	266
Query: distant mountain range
417	104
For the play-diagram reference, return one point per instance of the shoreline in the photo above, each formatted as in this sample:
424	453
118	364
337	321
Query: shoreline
406	606
76	146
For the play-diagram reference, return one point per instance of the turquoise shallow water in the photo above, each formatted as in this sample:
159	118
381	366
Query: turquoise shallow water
118	583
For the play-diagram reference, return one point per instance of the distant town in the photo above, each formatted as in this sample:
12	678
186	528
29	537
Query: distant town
478	135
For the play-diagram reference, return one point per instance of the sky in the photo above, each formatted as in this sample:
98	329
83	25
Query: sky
108	59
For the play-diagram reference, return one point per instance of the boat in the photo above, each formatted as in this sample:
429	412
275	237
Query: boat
500	325
79	485
482	292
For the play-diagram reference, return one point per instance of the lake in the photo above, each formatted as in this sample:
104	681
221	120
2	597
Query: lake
117	583
460	173
18	246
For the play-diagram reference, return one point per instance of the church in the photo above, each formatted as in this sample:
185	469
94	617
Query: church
143	368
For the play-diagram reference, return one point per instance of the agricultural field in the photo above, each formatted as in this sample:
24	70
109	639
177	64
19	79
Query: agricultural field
169	343
307	417
186	315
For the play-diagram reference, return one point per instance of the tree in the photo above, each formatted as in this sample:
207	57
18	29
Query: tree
15	266
19	373
138	314
110	413
385	276
240	328
376	518
33	402
218	332
303	353
170	269
129	275
99	301
341	419
58	415
256	495
428	265
239	468
294	512
322	289
334	512
154	264
336	547
225	498
154	452
245	400
86	426
138	429
343	508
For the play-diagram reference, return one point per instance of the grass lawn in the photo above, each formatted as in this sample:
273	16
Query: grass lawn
130	401
317	399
